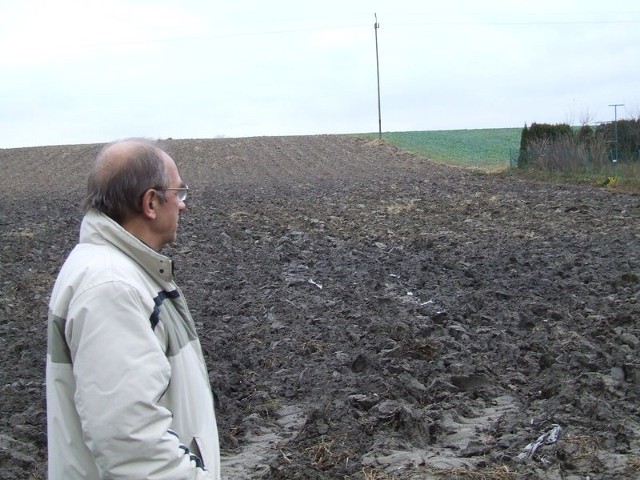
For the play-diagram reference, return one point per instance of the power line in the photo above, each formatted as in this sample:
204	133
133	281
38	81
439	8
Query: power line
515	23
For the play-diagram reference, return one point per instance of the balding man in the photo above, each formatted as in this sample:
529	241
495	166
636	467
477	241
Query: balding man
128	394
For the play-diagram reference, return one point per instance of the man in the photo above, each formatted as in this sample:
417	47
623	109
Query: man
128	394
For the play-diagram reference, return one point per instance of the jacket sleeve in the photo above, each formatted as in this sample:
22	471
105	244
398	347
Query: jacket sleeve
121	372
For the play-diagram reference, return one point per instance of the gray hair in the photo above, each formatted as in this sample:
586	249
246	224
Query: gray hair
120	177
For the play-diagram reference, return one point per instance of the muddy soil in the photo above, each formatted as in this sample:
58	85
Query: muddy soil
365	313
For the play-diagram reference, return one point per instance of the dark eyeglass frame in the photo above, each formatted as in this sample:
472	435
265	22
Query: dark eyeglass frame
182	192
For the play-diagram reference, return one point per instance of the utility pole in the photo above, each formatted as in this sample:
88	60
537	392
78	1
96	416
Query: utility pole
615	125
376	26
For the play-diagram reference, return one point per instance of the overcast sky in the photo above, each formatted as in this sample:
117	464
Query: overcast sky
85	71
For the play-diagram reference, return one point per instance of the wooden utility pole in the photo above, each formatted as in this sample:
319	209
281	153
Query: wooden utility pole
376	26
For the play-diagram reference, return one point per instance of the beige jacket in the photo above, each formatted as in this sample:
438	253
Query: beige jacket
128	394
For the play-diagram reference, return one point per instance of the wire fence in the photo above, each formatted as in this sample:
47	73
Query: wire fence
561	159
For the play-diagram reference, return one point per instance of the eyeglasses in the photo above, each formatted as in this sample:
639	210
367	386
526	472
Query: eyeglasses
182	192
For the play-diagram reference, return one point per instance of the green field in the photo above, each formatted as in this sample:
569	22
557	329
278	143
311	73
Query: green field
485	148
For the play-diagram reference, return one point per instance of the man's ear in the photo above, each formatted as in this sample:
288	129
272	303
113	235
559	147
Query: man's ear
150	201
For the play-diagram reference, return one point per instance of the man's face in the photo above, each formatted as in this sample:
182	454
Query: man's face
166	226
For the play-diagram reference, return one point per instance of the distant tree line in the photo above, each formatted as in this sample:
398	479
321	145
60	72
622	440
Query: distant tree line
562	147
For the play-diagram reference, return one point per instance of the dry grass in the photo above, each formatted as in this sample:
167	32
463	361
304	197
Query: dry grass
499	472
420	348
329	452
38	473
633	465
270	407
399	208
585	445
375	474
322	455
313	347
268	362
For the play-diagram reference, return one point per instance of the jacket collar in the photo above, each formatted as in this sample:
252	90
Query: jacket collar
99	229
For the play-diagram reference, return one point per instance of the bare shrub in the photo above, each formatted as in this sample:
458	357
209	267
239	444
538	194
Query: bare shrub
568	154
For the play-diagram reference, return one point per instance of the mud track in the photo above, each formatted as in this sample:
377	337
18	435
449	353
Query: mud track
365	313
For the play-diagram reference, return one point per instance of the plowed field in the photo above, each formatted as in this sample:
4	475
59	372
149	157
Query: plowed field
365	313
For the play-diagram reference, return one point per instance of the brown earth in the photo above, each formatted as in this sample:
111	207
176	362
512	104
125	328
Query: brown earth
365	313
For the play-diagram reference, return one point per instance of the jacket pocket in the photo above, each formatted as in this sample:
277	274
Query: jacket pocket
208	454
198	448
